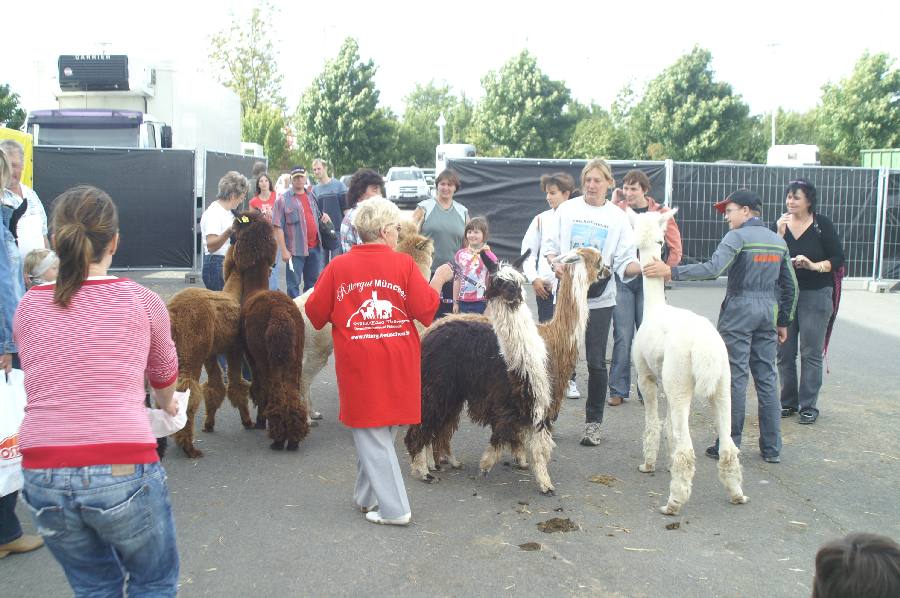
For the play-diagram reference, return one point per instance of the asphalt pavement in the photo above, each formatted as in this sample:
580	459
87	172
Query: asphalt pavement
253	522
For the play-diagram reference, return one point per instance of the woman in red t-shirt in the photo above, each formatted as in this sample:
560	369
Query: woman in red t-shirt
264	202
371	296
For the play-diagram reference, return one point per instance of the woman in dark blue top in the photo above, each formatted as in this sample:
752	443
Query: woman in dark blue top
816	253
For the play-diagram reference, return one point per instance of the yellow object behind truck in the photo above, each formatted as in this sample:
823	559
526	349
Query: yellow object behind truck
27	142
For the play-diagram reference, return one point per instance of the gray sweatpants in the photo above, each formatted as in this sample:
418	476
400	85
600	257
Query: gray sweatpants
747	327
807	331
379	480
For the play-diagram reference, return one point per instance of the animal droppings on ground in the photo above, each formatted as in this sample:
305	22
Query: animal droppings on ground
530	546
523	502
558	509
557	525
675	525
602	478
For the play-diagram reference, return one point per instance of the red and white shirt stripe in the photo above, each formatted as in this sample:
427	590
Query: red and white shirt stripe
84	373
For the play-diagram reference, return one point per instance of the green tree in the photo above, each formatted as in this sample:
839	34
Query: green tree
339	119
11	114
247	60
598	134
685	114
265	125
524	113
861	111
418	133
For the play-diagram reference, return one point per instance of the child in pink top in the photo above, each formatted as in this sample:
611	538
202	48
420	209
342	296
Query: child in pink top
469	284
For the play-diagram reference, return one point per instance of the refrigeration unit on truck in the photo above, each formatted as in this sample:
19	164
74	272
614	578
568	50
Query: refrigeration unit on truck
109	101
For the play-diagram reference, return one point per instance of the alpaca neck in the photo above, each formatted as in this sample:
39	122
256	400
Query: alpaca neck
654	288
524	351
571	314
234	285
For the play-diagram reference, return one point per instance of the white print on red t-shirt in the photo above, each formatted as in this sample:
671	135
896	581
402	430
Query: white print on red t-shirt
347	288
376	313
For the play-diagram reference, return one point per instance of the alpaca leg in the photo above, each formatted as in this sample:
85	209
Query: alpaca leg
443	454
648	388
489	458
185	436
519	451
238	388
298	422
541	445
213	392
730	472
433	457
418	447
683	460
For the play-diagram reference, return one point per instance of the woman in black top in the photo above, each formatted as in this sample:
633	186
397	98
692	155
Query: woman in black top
816	253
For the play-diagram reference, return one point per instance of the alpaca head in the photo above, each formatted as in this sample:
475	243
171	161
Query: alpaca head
254	242
595	269
505	281
650	230
417	246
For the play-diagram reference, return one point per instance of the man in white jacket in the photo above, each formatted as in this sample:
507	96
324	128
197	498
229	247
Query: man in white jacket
558	186
593	221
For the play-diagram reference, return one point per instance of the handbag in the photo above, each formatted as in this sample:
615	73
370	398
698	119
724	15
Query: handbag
12	412
328	235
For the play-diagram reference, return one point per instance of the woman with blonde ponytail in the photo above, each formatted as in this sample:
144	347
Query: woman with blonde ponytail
93	481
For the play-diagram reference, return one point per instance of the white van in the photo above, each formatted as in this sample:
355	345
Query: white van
793	155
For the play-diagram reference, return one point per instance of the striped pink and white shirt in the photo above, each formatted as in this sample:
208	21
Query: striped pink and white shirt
84	373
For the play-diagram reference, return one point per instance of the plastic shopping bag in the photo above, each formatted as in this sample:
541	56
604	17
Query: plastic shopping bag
164	424
12	412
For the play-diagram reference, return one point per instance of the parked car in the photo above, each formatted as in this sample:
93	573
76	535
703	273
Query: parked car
406	185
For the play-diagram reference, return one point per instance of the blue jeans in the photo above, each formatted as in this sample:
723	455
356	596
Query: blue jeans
308	267
273	276
595	336
213	276
806	332
100	527
9	523
627	316
545	308
472	307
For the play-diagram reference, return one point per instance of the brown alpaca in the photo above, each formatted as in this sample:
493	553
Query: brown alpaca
561	336
207	323
273	332
318	345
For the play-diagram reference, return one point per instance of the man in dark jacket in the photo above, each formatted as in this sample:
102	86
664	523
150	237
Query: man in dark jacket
759	304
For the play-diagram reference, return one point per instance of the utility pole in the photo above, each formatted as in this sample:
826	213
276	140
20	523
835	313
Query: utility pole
441	122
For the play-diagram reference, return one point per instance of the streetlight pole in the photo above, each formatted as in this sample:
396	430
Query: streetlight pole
441	122
773	47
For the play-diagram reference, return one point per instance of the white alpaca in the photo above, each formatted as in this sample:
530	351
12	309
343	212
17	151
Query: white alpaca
682	355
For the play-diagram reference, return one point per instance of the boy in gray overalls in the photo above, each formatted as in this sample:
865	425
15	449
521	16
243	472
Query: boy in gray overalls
759	304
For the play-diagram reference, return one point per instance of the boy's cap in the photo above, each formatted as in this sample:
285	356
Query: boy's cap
742	197
297	171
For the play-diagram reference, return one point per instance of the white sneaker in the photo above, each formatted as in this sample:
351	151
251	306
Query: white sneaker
591	434
375	517
573	393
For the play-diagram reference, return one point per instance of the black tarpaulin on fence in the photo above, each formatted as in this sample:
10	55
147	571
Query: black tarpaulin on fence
508	192
153	191
218	163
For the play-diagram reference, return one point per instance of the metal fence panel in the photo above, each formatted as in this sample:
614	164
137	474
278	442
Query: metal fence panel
889	246
846	195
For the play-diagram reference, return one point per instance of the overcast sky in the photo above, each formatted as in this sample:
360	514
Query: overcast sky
772	53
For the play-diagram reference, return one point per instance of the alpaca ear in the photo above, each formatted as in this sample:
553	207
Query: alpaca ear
521	260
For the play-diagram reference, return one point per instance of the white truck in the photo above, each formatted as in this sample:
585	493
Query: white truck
793	155
445	151
106	101
406	185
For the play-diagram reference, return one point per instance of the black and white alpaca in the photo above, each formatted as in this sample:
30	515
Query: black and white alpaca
498	368
681	355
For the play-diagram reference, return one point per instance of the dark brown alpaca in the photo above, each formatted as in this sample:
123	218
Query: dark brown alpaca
499	368
272	328
207	323
272	334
